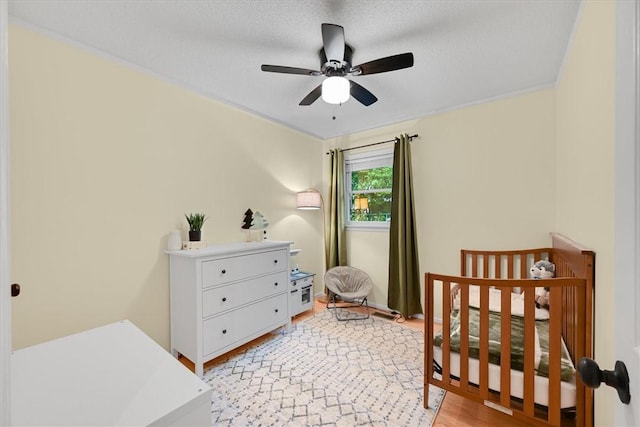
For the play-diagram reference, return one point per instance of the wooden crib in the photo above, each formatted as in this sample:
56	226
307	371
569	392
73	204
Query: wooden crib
501	277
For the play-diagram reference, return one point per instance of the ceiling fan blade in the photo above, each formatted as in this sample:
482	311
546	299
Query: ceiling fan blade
289	70
382	65
361	94
333	42
312	96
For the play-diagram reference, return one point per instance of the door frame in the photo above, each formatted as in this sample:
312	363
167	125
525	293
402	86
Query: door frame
627	204
5	276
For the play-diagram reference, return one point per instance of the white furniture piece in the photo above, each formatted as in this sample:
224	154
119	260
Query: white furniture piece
114	375
301	292
224	296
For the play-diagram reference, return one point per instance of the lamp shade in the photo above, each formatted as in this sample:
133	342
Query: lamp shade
335	90
309	199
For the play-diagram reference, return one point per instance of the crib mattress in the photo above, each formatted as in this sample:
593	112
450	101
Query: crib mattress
517	356
541	384
567	370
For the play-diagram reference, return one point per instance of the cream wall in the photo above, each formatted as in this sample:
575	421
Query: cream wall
585	169
484	178
105	161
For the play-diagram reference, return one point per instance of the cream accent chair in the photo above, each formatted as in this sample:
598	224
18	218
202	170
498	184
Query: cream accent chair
350	286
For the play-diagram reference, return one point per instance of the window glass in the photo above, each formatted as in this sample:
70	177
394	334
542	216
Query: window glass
368	182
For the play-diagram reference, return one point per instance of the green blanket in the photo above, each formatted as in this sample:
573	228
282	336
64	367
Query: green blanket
517	342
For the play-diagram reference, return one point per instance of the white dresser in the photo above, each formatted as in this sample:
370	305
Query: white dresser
114	375
224	296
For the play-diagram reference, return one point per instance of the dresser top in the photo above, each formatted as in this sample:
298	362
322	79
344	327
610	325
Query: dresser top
228	248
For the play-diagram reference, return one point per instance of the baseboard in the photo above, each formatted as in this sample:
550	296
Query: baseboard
378	307
386	309
384	315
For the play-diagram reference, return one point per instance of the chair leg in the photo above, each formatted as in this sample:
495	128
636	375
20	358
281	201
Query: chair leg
354	303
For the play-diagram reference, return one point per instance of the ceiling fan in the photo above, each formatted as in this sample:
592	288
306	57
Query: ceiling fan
335	64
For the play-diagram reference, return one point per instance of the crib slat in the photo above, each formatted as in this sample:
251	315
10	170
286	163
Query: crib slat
529	348
464	336
474	265
485	266
505	348
583	418
484	343
446	330
555	329
429	326
524	268
510	266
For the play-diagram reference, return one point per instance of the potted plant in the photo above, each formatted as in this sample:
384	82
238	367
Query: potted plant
195	221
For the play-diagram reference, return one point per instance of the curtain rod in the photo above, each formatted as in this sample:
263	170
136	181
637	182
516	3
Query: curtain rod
376	143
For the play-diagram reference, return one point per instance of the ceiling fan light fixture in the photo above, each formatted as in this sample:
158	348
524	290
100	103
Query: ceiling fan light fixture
335	90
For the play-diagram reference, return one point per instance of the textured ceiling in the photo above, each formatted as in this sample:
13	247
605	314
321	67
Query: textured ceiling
465	51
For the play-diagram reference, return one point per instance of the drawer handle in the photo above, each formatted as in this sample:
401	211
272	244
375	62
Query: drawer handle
224	299
275	284
275	261
224	331
224	271
276	310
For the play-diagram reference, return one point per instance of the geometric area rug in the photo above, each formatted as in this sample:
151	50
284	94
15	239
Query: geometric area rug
326	373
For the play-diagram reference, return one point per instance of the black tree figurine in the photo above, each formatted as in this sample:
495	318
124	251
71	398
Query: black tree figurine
248	219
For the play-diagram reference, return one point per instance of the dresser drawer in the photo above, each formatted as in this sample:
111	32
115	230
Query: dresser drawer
250	321
226	270
218	333
218	299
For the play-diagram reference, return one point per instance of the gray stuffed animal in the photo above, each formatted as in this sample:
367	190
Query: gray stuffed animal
542	270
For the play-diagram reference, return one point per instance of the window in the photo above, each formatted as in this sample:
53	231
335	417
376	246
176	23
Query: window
368	182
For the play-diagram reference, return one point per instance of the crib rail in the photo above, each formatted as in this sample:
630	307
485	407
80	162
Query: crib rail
572	291
500	264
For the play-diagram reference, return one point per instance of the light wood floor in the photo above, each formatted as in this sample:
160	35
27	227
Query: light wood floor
454	411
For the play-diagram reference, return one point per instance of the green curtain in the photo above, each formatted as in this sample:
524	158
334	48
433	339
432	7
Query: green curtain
336	248
404	279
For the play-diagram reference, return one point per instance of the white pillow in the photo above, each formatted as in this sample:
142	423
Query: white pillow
517	303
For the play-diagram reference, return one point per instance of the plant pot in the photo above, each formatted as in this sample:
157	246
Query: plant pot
195	236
